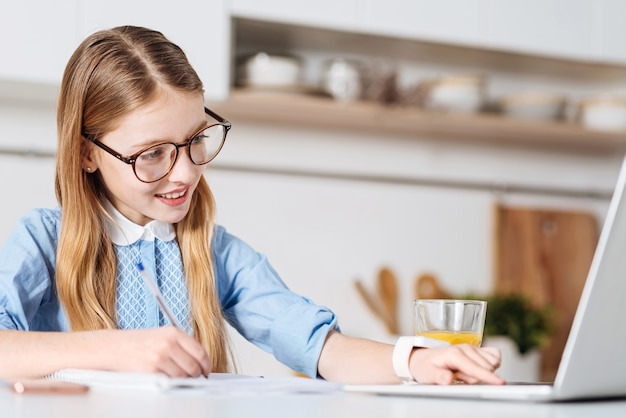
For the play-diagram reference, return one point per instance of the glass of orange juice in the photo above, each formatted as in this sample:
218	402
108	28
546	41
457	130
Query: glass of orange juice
451	320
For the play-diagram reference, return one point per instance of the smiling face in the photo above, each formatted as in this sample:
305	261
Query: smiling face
173	116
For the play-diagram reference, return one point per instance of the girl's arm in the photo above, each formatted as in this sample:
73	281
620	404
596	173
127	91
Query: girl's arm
29	354
362	361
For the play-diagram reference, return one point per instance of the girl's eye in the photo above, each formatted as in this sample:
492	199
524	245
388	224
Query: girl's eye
153	153
198	139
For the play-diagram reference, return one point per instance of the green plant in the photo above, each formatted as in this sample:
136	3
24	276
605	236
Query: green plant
516	317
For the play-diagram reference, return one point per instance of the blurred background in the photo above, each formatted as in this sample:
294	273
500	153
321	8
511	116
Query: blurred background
476	142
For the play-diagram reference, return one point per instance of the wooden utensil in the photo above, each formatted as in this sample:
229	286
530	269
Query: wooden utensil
383	303
427	287
369	301
388	291
374	306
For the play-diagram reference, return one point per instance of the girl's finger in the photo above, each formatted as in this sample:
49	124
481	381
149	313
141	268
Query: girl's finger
470	365
194	358
484	359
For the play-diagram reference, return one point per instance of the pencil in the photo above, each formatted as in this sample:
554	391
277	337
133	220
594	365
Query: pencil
154	289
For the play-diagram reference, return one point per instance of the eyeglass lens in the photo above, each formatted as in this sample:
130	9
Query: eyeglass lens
155	162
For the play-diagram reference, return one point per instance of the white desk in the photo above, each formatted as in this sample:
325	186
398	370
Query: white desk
190	404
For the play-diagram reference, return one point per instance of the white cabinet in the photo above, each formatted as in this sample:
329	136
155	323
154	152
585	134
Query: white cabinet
613	33
37	38
455	21
328	14
584	30
559	28
200	28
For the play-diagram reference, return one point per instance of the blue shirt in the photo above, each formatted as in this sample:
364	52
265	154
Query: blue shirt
253	298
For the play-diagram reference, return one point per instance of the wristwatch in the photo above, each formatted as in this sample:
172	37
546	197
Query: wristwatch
402	352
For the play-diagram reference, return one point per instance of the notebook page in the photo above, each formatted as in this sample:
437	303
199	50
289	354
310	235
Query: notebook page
216	383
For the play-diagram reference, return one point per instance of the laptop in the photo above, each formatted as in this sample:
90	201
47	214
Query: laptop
593	364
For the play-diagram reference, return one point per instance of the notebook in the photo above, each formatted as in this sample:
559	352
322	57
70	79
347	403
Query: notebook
216	383
592	365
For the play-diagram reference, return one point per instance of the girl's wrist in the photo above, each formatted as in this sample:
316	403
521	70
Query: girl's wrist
404	349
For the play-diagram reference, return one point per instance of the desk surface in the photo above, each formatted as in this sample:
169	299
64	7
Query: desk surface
191	403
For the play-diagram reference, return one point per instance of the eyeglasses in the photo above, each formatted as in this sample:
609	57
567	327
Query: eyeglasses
155	162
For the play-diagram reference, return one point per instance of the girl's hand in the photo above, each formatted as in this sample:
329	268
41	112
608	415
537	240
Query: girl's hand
167	350
462	362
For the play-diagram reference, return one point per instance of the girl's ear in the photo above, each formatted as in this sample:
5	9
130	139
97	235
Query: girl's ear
88	161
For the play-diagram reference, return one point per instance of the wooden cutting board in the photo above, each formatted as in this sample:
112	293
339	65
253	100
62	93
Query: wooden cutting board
546	255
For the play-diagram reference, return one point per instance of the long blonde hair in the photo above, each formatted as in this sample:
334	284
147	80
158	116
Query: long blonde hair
111	73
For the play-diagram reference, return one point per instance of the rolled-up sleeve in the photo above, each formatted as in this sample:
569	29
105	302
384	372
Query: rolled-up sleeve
258	304
6	322
27	260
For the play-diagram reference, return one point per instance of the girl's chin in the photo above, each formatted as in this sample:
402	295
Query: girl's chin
173	218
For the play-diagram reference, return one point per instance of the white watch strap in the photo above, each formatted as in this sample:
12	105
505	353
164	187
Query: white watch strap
402	352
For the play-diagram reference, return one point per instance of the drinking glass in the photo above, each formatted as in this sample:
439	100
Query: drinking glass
451	320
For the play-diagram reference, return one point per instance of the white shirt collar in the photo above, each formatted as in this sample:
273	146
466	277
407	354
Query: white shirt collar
125	232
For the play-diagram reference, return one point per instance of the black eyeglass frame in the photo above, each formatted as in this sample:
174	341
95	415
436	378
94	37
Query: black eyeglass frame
131	159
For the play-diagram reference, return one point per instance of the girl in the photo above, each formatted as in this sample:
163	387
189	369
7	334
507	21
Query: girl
133	140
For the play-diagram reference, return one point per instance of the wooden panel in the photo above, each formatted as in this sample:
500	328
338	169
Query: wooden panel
546	255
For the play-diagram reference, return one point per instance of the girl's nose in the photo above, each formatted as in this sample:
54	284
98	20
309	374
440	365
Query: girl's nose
184	171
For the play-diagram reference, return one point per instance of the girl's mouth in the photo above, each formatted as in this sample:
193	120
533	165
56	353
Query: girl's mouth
174	198
172	195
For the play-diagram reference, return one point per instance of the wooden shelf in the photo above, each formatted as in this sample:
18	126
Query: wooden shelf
324	113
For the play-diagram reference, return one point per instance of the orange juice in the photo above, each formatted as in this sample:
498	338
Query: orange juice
461	337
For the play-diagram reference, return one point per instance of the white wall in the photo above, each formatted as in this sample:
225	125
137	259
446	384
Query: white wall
321	235
25	181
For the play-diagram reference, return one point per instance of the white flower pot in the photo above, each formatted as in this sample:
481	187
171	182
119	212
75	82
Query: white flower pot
515	366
